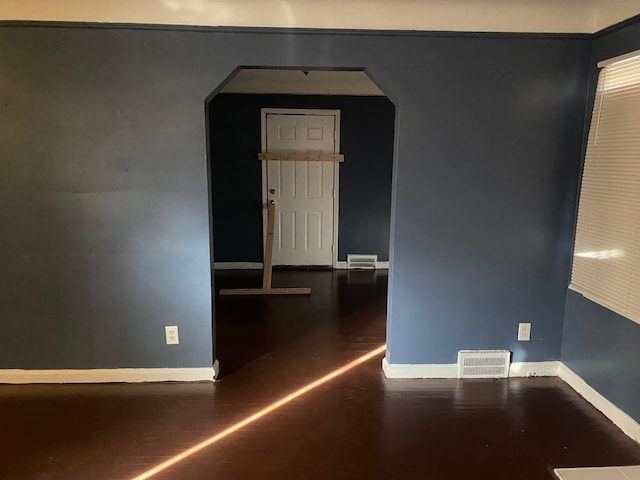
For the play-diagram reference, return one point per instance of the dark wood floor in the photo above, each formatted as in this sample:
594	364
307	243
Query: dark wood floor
358	426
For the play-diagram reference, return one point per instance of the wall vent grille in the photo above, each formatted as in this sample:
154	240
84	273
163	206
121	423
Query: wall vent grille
483	363
363	262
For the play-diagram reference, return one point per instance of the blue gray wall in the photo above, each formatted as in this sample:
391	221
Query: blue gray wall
104	234
366	140
485	195
598	344
104	201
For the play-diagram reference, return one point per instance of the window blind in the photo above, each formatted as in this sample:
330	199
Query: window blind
606	263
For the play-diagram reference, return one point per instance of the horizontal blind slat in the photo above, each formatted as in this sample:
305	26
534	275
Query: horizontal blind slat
606	265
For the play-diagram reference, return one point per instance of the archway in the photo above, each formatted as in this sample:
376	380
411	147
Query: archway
235	116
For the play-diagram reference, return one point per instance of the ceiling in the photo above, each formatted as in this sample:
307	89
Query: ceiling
316	82
545	16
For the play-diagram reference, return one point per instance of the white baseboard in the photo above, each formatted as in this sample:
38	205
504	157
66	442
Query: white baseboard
110	375
341	265
534	369
405	370
627	424
258	265
237	265
450	370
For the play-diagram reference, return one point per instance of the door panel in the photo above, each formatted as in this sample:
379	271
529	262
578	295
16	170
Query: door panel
285	233
313	234
285	180
303	191
314	186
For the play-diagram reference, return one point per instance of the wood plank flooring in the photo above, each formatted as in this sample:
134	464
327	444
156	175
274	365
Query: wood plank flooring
358	426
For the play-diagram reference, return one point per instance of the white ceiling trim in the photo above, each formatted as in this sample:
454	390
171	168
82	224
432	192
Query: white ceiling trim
535	16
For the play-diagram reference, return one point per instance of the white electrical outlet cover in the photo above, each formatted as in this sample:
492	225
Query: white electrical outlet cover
171	332
524	332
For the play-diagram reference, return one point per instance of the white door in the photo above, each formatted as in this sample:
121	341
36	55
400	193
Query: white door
303	191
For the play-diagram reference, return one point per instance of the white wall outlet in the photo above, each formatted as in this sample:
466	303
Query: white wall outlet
524	332
172	335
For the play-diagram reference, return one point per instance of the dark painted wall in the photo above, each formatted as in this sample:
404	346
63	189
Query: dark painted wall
598	344
602	347
366	140
103	186
488	152
103	199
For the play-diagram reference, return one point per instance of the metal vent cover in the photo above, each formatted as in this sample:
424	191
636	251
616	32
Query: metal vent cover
366	262
483	363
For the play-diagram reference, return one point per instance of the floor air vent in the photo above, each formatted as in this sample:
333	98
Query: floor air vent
364	262
483	363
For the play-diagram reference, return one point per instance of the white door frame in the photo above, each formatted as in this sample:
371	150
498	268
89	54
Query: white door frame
336	170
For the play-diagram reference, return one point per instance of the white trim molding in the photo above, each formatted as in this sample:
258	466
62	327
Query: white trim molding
450	370
237	265
406	370
342	265
622	420
108	375
619	58
534	369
